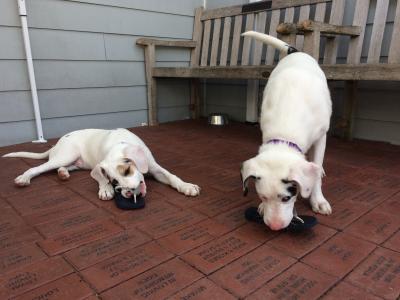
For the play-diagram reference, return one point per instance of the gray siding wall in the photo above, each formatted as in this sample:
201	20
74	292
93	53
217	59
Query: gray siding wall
378	111
88	69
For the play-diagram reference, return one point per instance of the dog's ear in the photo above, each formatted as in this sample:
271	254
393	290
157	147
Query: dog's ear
305	174
137	155
248	171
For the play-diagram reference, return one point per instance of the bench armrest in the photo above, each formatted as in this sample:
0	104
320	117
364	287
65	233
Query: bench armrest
323	28
166	43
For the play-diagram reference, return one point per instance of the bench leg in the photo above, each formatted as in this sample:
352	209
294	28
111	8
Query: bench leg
195	103
149	56
349	108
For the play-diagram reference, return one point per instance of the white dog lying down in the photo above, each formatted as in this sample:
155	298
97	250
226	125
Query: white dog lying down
295	116
114	156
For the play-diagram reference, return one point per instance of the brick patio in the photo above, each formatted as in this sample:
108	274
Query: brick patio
58	241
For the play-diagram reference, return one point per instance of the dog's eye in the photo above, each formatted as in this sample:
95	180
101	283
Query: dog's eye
127	171
114	182
286	198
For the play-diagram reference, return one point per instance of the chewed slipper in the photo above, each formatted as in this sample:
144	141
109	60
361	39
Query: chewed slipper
298	223
134	202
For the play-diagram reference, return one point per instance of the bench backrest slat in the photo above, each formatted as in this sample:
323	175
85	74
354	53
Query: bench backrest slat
394	50
206	42
269	60
320	11
356	43
247	40
255	7
336	18
197	33
225	41
258	46
377	31
236	40
215	42
304	15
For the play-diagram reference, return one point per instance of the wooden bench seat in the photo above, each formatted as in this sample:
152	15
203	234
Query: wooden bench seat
314	26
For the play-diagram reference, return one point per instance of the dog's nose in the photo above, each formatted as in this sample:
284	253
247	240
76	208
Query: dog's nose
276	225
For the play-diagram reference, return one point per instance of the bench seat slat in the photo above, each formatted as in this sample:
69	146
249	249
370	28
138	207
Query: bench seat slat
332	72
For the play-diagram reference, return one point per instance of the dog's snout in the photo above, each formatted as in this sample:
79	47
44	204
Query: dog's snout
276	225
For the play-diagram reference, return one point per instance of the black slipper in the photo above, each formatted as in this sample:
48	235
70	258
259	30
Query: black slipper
295	225
128	203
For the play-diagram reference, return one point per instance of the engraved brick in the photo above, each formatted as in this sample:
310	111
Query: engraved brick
18	237
192	236
394	242
58	212
339	255
258	232
126	265
99	250
167	223
56	197
345	290
298	282
221	203
344	213
252	270
158	283
152	210
203	289
71	221
299	244
375	226
79	236
215	254
70	287
24	279
19	257
379	273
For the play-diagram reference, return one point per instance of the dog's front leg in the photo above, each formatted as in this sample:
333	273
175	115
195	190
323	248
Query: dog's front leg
318	202
174	181
106	191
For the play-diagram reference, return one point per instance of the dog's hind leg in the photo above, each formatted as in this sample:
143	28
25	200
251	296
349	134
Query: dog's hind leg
318	202
66	157
174	181
63	172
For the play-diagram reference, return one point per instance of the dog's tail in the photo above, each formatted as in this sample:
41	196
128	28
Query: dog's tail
272	41
28	155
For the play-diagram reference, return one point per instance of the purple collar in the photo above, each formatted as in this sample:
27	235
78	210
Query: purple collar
290	144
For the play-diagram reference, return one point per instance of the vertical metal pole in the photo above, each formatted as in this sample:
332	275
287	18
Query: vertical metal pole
31	72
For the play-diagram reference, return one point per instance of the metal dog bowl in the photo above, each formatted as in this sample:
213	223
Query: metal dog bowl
218	119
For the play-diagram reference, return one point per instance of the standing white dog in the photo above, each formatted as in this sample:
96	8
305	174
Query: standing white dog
295	116
115	157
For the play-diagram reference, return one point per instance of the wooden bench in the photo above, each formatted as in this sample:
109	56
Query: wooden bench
218	50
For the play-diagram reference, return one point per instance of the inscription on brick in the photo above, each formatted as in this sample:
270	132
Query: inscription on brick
215	254
82	235
19	257
96	251
126	265
380	273
158	283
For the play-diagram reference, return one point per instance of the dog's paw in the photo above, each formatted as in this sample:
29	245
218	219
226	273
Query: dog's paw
63	173
322	207
189	189
106	192
22	180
